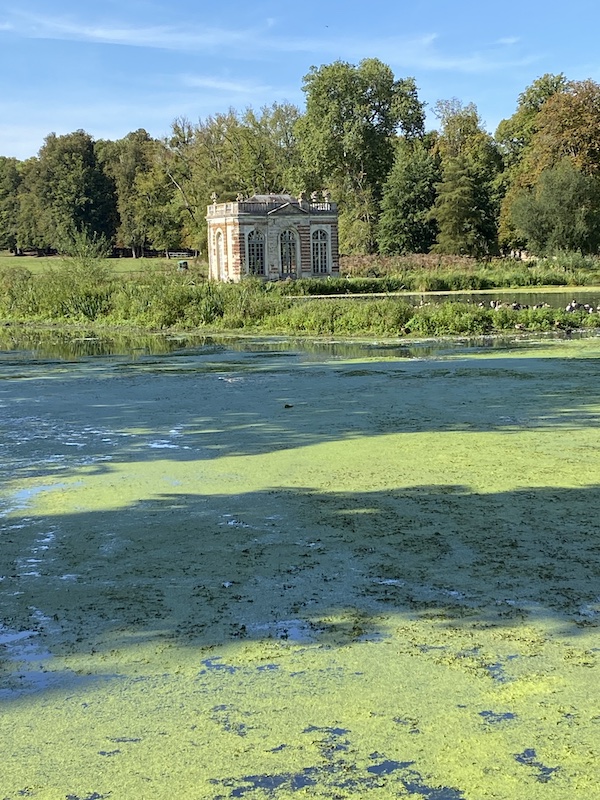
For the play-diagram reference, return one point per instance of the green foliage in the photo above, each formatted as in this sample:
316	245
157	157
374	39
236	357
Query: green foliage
87	249
160	299
464	211
451	318
125	161
362	138
466	206
562	212
567	126
556	120
514	134
10	179
79	287
16	293
337	317
72	292
347	138
65	190
405	225
229	154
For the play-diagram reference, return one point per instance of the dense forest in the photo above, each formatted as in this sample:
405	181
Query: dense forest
534	185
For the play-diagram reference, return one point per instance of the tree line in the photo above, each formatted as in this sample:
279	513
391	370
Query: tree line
533	185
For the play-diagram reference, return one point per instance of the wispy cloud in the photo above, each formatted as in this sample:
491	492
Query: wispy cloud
224	85
428	52
419	52
156	36
509	40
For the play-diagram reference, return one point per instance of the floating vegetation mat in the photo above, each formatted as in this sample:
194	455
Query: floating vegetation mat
301	575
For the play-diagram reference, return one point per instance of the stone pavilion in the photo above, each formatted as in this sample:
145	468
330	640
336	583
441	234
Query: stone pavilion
274	237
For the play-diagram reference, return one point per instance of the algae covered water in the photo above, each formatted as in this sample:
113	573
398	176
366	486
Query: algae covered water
265	569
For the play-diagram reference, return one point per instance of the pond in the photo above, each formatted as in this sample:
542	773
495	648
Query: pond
270	568
553	297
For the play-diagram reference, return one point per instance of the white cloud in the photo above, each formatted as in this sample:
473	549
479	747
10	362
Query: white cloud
224	85
160	37
423	51
427	53
509	40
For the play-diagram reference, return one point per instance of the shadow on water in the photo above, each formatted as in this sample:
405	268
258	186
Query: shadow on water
199	407
534	546
307	567
294	567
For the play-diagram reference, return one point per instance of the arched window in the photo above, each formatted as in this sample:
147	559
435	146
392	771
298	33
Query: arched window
289	257
221	260
320	262
256	253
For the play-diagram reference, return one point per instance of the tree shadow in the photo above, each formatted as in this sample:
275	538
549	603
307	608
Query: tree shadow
449	575
322	567
199	407
305	567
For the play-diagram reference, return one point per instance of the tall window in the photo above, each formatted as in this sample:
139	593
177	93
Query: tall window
221	262
289	259
256	253
319	252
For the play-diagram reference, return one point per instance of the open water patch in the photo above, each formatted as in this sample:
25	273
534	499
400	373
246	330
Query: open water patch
495	717
22	649
22	498
339	770
529	759
293	631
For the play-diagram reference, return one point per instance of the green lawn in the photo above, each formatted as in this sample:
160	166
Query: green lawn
119	266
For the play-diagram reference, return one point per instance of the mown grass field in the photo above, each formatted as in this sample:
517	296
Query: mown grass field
118	266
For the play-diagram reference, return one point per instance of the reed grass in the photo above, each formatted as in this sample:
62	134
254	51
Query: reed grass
171	300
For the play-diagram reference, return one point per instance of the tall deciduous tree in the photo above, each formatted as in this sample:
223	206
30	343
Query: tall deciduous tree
561	212
30	217
230	154
347	137
10	178
514	134
514	137
156	207
125	160
69	191
568	125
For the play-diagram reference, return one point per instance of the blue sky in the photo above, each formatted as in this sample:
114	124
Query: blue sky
112	66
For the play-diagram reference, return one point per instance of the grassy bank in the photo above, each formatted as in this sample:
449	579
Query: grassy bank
162	299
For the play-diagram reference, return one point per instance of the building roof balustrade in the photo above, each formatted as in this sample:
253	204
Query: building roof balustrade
241	207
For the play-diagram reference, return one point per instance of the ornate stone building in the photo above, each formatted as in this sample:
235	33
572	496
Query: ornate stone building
274	237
